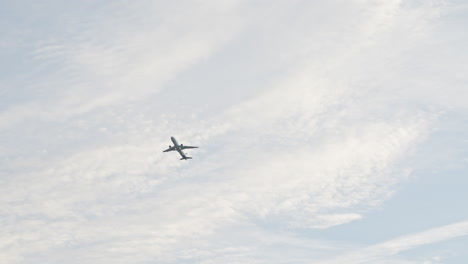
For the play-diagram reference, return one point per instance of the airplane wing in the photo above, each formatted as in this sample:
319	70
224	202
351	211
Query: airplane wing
187	147
169	149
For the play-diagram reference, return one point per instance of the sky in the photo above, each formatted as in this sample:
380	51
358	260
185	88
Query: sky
330	131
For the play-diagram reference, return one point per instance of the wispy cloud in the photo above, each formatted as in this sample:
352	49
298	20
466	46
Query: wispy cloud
318	141
122	59
381	251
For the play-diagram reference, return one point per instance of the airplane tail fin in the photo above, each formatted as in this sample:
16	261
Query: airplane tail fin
186	158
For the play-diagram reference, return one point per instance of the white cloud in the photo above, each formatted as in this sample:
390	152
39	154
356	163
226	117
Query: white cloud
123	59
317	144
392	247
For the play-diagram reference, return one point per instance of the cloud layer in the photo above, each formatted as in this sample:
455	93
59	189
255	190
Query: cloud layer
305	114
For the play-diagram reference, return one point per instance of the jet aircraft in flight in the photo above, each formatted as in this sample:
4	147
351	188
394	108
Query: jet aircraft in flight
179	147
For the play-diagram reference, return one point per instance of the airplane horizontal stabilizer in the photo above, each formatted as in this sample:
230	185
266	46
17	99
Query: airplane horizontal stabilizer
186	158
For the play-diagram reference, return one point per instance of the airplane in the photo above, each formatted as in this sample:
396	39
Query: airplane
179	149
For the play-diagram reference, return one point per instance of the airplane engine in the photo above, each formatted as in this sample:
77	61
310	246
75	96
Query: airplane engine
170	146
181	145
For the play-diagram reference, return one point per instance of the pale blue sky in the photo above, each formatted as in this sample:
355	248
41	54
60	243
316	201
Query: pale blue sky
329	131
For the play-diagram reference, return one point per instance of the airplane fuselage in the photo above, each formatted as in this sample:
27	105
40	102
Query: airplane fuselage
178	147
